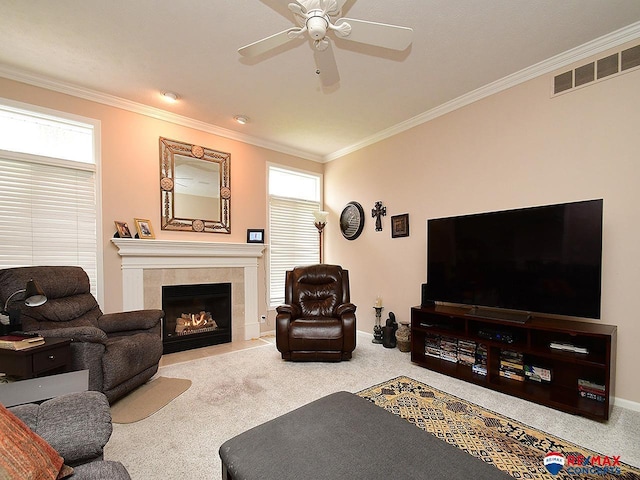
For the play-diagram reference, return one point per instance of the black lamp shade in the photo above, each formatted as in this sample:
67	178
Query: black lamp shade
34	295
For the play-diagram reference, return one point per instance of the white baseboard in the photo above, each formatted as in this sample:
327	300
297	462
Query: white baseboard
621	402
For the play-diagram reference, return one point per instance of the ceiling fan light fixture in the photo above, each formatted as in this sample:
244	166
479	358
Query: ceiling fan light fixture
170	97
241	119
317	27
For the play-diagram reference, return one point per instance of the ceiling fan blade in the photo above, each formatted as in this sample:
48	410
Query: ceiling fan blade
261	46
326	66
373	33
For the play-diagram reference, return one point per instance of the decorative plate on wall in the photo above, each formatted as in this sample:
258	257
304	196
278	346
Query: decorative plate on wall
352	221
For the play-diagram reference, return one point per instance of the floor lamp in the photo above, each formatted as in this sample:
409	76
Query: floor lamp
321	221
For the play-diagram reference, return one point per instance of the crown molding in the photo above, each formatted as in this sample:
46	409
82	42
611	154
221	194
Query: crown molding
594	47
564	59
139	108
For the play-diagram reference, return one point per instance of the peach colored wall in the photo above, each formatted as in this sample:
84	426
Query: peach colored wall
514	149
131	176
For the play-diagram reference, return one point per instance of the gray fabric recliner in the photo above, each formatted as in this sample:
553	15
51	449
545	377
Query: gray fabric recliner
77	426
121	350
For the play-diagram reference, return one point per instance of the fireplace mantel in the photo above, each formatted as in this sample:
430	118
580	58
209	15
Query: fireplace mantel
139	255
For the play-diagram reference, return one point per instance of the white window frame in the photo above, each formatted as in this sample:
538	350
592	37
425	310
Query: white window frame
95	167
273	303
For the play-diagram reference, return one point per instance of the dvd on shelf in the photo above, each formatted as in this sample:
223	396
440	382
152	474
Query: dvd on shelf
463	352
512	365
537	374
568	347
591	390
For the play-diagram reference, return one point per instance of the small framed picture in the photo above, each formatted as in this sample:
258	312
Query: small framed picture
144	228
255	235
123	229
400	225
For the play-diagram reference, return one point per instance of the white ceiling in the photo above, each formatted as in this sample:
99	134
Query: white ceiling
133	49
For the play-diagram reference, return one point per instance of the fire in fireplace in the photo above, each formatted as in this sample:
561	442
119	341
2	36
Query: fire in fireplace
195	316
189	323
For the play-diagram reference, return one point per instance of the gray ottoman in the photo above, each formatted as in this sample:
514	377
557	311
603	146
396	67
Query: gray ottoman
345	436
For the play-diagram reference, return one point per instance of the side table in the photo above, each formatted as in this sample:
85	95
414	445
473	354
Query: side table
53	355
35	368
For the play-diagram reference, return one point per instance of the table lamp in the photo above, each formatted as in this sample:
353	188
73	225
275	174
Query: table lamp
33	297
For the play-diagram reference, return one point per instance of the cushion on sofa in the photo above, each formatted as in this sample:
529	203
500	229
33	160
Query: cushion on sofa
24	454
77	425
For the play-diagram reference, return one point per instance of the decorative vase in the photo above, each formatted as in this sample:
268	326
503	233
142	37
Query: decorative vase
403	337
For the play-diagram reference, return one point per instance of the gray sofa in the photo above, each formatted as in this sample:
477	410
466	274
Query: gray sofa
77	426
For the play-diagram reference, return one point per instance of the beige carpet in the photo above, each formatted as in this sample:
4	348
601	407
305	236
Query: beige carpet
239	390
148	399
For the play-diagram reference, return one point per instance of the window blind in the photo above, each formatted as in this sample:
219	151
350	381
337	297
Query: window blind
293	240
47	215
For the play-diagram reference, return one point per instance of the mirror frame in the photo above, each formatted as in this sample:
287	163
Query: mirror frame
169	148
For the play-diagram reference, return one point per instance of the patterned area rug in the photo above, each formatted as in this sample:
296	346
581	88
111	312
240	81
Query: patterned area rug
509	445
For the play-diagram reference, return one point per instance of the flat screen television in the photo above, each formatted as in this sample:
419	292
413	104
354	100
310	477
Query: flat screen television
544	259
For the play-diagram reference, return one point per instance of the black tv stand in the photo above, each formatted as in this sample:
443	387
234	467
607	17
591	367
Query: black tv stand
503	315
592	360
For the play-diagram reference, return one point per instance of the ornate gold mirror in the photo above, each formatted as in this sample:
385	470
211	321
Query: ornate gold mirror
194	188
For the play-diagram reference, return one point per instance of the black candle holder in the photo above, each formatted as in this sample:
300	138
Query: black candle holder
377	328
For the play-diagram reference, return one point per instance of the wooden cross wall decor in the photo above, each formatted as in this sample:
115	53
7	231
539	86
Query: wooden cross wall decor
377	212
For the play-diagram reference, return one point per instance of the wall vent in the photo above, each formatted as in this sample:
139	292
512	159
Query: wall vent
603	68
585	74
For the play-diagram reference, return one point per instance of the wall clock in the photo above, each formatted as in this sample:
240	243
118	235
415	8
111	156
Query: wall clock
352	221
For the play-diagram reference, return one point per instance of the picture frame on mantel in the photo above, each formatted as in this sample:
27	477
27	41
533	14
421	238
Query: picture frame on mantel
122	229
255	235
400	225
144	228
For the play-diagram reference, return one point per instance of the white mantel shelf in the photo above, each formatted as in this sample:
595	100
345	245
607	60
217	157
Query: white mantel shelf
132	248
138	255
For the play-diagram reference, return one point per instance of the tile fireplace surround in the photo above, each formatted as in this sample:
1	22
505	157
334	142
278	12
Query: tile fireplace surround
147	265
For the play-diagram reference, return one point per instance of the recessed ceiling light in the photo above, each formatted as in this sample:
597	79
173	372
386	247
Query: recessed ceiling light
170	97
241	119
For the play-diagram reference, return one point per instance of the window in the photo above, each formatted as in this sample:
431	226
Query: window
293	237
48	189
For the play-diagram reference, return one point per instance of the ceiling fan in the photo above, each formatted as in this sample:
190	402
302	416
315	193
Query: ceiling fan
316	18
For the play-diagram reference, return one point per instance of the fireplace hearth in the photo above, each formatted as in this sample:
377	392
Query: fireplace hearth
195	316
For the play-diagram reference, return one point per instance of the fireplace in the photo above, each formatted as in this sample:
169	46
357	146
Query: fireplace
195	316
147	266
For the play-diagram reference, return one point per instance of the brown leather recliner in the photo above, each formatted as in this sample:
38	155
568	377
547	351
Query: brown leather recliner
318	321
